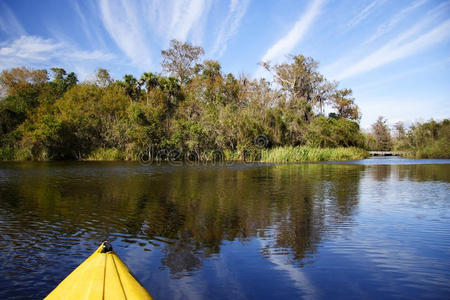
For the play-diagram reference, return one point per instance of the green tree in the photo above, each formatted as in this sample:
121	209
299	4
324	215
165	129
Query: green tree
63	81
301	84
400	140
430	139
131	87
345	105
323	132
150	81
381	134
18	80
171	88
196	106
103	78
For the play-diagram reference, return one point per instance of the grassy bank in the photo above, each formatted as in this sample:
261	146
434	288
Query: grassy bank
278	155
304	154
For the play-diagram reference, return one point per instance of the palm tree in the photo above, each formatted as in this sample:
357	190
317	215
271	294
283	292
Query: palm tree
131	86
150	81
171	87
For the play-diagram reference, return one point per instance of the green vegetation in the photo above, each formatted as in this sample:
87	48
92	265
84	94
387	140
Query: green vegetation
424	140
380	137
106	154
305	153
421	140
191	106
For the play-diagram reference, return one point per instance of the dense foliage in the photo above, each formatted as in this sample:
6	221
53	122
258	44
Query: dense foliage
424	140
379	138
192	105
421	140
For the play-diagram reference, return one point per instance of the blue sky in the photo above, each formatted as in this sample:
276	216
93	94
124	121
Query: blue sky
394	54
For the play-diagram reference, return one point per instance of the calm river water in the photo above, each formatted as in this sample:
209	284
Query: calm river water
378	228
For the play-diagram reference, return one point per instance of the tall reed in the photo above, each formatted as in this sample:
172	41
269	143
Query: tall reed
304	154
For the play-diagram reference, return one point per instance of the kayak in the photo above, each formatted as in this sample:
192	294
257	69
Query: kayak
102	276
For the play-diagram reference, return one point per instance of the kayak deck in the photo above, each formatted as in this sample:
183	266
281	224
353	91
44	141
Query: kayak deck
101	276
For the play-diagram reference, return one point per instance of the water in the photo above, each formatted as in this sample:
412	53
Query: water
371	229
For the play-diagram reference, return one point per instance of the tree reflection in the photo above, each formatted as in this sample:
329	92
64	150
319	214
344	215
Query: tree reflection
181	257
188	211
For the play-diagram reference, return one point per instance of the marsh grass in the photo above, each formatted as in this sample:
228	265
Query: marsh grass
109	154
278	155
7	153
305	154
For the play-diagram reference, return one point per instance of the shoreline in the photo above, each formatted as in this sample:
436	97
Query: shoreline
286	154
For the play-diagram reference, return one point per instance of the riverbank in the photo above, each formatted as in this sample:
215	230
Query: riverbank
432	151
287	154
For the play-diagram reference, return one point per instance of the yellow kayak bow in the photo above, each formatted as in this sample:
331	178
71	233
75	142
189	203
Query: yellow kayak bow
102	276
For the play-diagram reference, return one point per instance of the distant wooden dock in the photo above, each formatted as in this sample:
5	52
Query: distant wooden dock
386	153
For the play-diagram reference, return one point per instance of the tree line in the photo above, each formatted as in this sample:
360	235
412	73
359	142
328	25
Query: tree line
420	140
191	105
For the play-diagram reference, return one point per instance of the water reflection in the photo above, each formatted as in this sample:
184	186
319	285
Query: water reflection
420	173
52	215
193	209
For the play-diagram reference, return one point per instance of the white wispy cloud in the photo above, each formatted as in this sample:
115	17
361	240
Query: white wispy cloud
177	19
36	51
137	26
30	48
283	46
122	21
91	55
365	13
398	48
159	14
403	74
229	26
198	30
90	29
186	14
84	22
388	26
8	21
